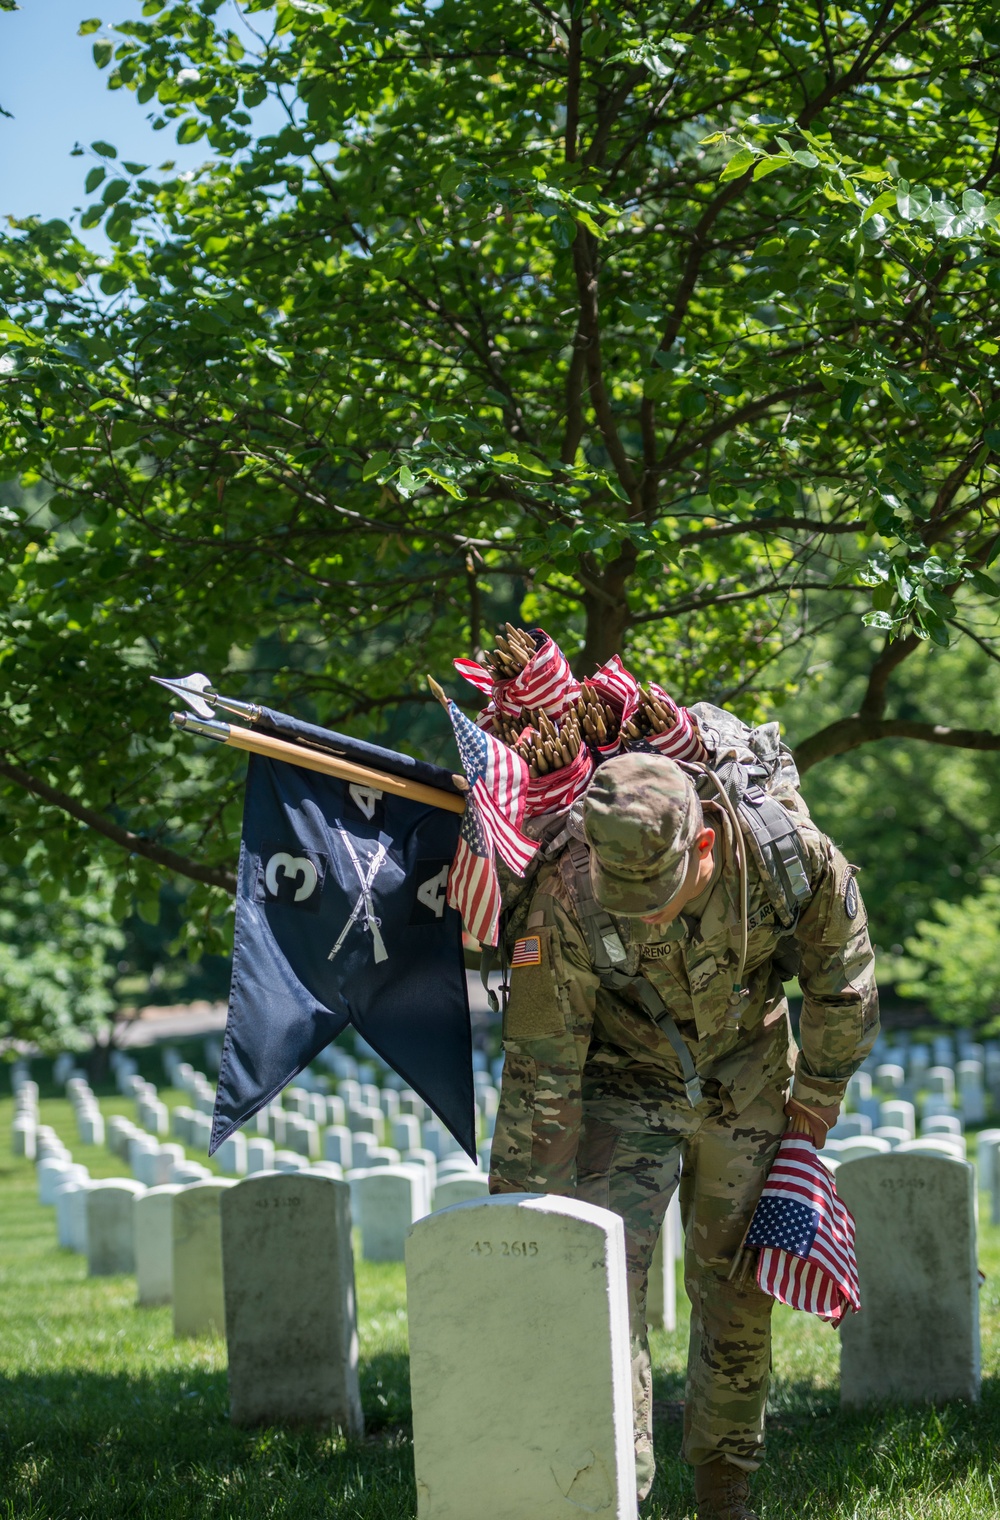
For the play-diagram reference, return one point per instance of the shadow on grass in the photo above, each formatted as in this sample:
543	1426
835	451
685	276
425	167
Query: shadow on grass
824	1460
87	1446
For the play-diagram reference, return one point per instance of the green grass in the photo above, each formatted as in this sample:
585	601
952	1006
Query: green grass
103	1416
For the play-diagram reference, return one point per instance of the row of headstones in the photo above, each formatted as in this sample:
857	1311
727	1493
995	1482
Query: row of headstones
389	1198
521	1282
963	1087
528	1282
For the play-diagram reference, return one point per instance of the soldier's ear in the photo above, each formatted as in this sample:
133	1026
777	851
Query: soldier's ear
705	840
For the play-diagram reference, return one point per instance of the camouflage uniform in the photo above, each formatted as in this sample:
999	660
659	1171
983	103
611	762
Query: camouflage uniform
593	1103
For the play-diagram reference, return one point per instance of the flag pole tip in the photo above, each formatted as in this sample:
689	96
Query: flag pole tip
437	691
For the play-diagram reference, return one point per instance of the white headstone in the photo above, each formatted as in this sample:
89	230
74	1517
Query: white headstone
917	1335
388	1201
337	1145
110	1246
515	1282
406	1132
460	1187
661	1288
302	1135
188	1171
197	1258
893	1136
232	1155
971	1090
363	1144
857	1087
51	1174
290	1161
890	1076
898	1114
180	1123
940	1080
935	1145
941	1124
850	1127
988	1167
90	1126
291	1318
260	1155
867	1145
71	1215
152	1222
23	1137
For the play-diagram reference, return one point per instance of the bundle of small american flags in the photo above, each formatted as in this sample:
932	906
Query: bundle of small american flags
503	792
805	1235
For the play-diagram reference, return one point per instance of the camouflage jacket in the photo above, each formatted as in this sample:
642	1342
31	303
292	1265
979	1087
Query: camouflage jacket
569	1041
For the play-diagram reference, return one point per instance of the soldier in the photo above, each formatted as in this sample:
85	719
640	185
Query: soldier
647	1026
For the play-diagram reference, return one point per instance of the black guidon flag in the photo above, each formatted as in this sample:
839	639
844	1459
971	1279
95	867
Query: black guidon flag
341	919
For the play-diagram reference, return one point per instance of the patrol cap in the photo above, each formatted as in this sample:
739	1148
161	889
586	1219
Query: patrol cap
641	816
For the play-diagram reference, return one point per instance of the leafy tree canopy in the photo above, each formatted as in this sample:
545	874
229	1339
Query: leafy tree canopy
670	327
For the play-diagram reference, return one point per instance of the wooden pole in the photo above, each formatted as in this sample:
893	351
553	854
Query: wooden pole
328	765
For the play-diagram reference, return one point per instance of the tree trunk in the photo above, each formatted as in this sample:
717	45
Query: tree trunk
605	602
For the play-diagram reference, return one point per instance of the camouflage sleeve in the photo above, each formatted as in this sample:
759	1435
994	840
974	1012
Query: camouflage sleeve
546	1038
837	977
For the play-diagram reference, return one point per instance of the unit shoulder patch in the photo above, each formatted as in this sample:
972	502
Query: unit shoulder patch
851	897
527	952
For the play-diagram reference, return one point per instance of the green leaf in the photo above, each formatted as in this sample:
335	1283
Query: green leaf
992	437
881	620
984	583
93	179
913	203
879	204
113	191
376	463
737	165
804	157
104	149
190	130
849	398
103	53
86	27
769	165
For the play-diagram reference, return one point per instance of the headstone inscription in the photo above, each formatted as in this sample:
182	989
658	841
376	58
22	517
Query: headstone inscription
197	1258
917	1335
515	1282
291	1317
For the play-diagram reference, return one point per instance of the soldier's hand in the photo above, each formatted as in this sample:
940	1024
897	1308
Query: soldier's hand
816	1120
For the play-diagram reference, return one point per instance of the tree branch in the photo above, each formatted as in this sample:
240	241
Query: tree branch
211	876
849	733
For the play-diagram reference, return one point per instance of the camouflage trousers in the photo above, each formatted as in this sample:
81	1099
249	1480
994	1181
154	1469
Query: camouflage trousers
630	1157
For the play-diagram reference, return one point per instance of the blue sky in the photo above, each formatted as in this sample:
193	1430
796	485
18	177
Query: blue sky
57	96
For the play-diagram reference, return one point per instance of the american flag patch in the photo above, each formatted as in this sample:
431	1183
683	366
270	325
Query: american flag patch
527	952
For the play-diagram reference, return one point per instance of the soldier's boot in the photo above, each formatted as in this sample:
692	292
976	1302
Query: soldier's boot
723	1491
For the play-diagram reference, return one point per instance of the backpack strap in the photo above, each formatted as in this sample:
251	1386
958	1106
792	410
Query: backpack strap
609	958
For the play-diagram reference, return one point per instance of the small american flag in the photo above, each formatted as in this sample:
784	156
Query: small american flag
498	781
805	1235
561	788
546	681
680	742
472	881
617	686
